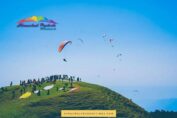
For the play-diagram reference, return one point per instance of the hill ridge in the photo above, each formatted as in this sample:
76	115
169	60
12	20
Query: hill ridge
75	95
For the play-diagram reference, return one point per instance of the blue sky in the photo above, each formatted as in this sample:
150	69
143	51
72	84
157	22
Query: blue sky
145	32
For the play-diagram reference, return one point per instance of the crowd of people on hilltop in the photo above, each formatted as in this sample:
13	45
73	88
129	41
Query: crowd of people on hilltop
34	83
52	78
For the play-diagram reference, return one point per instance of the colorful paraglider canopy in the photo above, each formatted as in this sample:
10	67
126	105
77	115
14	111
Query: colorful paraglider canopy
37	91
74	89
25	95
63	44
48	87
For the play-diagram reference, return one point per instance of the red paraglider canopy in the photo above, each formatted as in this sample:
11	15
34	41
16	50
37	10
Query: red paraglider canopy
62	45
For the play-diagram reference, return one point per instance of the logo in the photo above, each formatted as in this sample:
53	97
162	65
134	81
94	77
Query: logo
37	21
89	113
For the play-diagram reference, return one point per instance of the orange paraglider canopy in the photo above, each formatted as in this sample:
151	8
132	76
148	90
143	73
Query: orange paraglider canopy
62	45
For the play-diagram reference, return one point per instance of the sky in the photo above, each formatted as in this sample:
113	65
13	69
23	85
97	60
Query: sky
144	32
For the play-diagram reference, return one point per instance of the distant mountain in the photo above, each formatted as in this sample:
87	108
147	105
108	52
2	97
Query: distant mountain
86	96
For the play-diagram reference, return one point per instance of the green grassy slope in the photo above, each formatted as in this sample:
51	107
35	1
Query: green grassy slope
88	96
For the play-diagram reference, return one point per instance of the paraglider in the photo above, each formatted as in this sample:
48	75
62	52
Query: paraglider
118	55
135	91
64	60
108	39
111	40
104	35
62	45
81	40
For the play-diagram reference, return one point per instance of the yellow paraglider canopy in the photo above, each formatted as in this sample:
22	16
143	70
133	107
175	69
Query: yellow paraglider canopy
25	95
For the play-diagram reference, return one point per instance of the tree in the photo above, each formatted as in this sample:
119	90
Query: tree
20	82
54	81
11	83
163	114
2	90
77	79
48	92
57	88
71	83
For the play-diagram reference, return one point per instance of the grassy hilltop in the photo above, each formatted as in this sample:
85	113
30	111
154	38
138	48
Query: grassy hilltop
86	96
